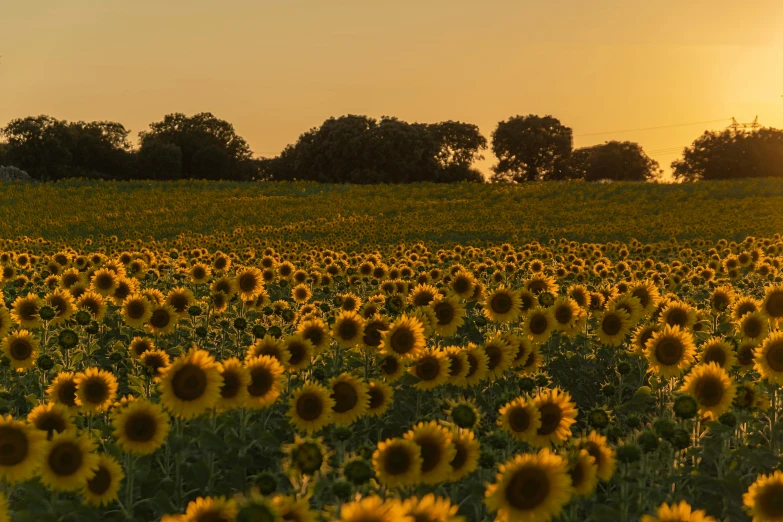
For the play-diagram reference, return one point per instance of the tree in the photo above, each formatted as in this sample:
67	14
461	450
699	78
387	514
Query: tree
159	161
613	160
530	148
39	145
194	134
359	149
459	144
51	149
729	154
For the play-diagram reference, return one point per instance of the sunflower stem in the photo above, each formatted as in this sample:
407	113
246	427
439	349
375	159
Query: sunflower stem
129	465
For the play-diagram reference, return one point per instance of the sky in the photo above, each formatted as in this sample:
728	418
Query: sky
276	68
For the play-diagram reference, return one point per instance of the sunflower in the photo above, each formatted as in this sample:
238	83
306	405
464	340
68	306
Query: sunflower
22	349
265	381
520	418
750	397
458	364
539	324
597	447
647	294
300	352
63	390
180	299
500	356
744	305
463	283
22	449
431	509
753	326
139	345
532	486
311	407
63	305
351	399
478	364
374	509
315	331
762	500
5	321
641	335
712	388
270	346
466	454
422	295
94	304
163	320
24	311
51	418
380	398
397	462
719	351
431	368
155	363
558	413
141	427
306	456
103	488
392	367
583	472
449	313
568	315
405	337
5	515
613	326
136	310
773	302
96	390
301	293
348	329
69	462
199	273
236	379
670	351
678	314
249	282
104	282
191	385
255	506
211	509
373	331
437	451
502	305
681	512
291	508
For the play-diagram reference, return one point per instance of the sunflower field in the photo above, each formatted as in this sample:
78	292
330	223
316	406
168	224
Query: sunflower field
216	352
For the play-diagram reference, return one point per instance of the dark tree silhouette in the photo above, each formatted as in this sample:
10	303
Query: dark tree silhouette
613	160
729	154
51	149
194	135
530	148
360	149
159	161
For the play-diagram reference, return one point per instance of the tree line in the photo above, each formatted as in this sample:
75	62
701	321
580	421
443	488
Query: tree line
360	149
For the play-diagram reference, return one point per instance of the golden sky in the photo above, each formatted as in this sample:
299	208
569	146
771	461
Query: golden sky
275	68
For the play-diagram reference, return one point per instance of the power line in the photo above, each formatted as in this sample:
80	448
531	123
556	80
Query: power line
652	128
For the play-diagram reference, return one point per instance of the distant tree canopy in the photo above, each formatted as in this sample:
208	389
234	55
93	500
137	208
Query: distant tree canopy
51	149
531	148
360	149
729	154
209	147
613	160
